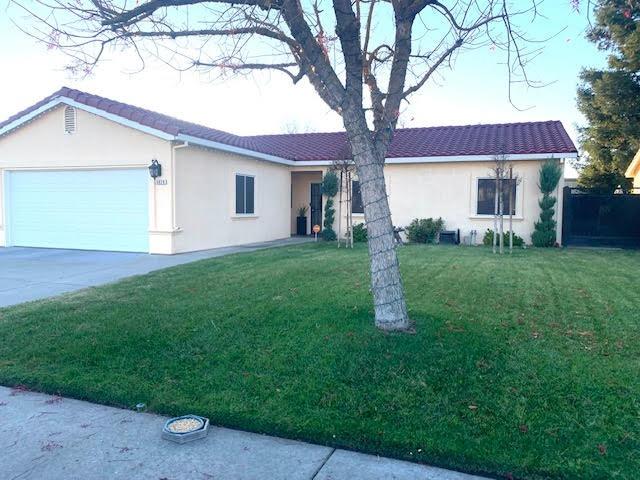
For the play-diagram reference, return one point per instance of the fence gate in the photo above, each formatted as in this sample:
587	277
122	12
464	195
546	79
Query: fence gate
595	219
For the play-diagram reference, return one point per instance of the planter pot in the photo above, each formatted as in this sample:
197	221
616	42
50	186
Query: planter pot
301	225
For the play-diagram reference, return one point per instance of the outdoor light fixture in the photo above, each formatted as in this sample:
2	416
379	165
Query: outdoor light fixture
155	169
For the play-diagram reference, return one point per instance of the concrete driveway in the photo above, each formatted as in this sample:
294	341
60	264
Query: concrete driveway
32	273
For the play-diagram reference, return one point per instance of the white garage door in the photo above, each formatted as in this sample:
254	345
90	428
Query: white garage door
84	209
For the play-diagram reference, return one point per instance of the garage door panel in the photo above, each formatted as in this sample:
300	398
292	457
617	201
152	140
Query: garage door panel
84	209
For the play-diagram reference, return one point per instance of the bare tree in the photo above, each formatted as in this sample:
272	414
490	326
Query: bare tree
502	171
343	47
499	172
346	168
293	126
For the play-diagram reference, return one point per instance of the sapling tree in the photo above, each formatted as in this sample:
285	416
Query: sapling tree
499	172
345	169
364	58
505	183
544	234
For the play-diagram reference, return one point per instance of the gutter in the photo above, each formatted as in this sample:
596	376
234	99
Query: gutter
231	149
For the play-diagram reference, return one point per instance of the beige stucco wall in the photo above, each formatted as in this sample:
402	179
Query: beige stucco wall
193	207
98	143
449	190
205	200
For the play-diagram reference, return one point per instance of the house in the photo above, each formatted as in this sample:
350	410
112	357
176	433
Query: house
571	182
74	174
633	171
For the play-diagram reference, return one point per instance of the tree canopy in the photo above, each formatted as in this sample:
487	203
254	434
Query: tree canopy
610	99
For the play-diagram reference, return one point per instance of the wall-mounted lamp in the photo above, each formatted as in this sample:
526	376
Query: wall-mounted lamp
155	169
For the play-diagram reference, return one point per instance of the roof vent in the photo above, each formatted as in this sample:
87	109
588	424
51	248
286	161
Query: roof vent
69	120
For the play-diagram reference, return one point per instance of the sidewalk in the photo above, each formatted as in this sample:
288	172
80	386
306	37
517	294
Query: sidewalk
53	438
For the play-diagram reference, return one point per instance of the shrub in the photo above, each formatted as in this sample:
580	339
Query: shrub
329	188
330	184
424	230
544	234
329	213
360	232
488	239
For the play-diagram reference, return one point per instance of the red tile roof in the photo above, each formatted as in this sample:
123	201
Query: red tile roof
547	137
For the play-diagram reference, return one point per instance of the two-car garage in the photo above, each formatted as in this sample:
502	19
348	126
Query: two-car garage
75	174
97	209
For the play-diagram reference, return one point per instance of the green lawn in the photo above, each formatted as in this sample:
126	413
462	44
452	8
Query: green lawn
526	365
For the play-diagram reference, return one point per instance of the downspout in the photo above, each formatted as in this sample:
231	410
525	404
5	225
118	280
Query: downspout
560	204
174	147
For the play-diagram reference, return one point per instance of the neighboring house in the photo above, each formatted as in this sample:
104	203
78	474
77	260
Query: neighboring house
633	171
73	171
570	182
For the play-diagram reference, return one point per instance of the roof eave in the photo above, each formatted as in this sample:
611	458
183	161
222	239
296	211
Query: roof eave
633	167
232	149
53	103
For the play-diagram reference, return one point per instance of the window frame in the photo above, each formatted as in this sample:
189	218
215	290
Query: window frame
353	212
235	197
517	211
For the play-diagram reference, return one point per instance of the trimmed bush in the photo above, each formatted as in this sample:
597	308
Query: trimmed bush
488	239
424	230
360	232
544	234
329	188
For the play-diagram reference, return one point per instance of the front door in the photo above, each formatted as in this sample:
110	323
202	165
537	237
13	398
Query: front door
316	204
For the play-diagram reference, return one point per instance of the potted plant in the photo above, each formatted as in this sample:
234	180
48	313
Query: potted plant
301	220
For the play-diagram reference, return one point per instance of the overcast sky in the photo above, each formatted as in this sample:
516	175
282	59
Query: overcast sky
475	91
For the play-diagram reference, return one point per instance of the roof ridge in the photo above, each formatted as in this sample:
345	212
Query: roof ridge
429	127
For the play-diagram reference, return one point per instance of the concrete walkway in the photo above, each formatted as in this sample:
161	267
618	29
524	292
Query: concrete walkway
33	273
48	437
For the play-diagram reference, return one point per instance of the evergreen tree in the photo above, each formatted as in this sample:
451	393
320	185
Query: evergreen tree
329	189
544	234
610	99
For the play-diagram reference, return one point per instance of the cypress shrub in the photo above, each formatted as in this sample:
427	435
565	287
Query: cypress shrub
329	188
544	234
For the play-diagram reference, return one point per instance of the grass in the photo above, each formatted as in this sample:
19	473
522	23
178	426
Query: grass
524	365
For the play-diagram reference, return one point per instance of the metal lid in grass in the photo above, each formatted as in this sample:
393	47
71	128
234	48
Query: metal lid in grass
186	428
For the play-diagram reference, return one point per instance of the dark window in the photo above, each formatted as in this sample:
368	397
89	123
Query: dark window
487	196
356	198
244	194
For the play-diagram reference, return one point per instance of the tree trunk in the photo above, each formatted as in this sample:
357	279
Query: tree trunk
386	284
